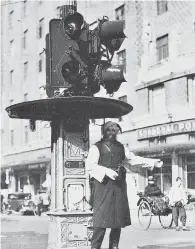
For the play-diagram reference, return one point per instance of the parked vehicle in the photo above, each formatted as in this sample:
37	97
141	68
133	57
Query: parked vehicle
21	202
29	207
16	200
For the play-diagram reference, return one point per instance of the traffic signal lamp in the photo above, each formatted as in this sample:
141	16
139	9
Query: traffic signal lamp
67	54
112	77
111	35
74	56
73	25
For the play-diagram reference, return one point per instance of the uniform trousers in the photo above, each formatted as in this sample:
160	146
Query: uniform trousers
179	212
98	236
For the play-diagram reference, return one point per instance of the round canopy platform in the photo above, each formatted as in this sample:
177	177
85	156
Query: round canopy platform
90	107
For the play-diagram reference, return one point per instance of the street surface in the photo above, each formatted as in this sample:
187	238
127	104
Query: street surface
30	232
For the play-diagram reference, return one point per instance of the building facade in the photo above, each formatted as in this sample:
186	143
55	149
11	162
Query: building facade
25	155
159	54
166	90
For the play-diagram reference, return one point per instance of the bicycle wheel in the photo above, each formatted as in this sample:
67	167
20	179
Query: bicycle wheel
191	206
144	215
166	219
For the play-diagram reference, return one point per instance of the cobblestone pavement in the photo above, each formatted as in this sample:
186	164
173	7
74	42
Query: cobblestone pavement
30	232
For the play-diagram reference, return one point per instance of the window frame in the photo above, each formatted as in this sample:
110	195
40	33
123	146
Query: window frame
25	97
12	137
124	59
24	45
41	28
40	62
161	8
58	11
121	8
151	91
24	8
124	99
26	134
11	77
25	70
162	47
11	13
191	91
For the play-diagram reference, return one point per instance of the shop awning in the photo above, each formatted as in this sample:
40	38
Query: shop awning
27	165
181	148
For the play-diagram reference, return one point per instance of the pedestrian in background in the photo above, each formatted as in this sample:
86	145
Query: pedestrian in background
2	198
46	201
38	202
178	200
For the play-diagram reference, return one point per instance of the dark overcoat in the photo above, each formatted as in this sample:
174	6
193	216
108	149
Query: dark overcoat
109	198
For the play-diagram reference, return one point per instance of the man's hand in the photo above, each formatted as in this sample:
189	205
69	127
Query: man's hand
111	174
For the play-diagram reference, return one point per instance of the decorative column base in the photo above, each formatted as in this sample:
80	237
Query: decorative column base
70	230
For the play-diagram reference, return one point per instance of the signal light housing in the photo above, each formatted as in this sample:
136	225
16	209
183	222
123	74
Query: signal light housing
73	25
112	77
111	30
74	56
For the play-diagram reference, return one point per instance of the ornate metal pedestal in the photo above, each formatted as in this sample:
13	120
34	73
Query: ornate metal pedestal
70	219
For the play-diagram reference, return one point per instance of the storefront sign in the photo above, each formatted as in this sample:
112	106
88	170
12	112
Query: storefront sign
33	166
167	129
36	166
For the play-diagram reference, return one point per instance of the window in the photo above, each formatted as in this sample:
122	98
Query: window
11	13
157	141
162	47
22	182
11	101
122	58
12	137
41	23
157	104
25	39
124	99
41	62
190	172
11	45
58	11
25	70
164	175
26	134
93	120
191	91
120	13
11	77
161	7
192	136
24	8
26	97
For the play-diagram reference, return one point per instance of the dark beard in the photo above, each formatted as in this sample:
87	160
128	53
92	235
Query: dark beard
110	139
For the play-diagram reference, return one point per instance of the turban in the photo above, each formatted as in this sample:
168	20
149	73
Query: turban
109	124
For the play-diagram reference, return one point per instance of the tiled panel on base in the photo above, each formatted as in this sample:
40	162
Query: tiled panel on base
70	231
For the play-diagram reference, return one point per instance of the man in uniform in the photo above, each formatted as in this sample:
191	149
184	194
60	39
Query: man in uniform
108	186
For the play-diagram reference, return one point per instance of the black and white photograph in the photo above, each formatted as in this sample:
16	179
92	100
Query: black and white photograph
97	124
